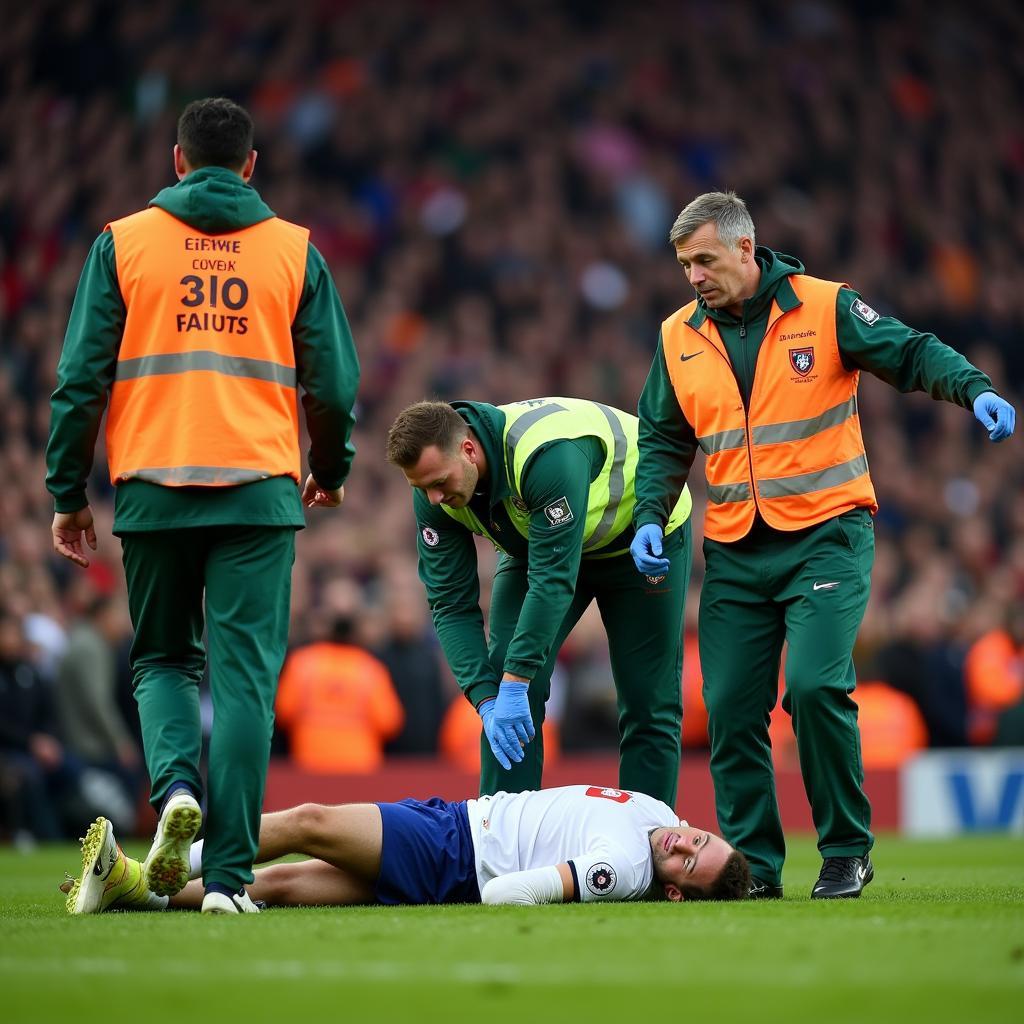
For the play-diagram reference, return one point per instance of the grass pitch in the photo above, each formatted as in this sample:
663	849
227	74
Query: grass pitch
938	936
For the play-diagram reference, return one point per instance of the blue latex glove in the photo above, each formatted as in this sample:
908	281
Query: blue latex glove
996	415
487	717
511	724
646	551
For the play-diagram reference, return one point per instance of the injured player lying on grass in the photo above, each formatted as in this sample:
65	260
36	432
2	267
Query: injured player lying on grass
576	843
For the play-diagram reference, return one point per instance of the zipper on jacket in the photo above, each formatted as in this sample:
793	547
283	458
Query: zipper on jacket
746	410
746	413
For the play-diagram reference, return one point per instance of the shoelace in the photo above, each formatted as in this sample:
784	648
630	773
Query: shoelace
838	869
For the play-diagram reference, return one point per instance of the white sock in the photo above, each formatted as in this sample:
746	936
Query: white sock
154	902
195	860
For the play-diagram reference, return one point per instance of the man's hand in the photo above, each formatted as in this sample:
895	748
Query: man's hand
67	530
995	414
314	496
646	551
486	711
508	723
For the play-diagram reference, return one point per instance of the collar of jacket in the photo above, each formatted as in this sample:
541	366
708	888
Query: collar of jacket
488	423
778	287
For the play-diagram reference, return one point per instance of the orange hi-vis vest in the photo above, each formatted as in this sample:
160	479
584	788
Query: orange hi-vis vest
796	455
204	391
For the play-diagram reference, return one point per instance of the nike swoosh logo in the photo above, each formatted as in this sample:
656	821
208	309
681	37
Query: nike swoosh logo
826	586
692	355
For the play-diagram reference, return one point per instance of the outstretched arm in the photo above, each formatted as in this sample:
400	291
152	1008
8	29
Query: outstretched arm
526	888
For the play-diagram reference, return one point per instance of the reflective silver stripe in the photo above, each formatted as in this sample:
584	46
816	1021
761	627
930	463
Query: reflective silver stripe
616	480
724	440
169	475
805	483
183	362
520	427
796	430
726	493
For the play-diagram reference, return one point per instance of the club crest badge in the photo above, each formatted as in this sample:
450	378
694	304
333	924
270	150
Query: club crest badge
654	580
802	360
863	311
558	513
430	537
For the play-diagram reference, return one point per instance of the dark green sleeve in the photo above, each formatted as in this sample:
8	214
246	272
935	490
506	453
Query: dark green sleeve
448	569
328	370
556	489
667	445
85	374
909	360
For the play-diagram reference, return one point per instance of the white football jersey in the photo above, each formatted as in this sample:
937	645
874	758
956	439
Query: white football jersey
603	834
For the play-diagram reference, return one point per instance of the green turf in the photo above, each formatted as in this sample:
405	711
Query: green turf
938	936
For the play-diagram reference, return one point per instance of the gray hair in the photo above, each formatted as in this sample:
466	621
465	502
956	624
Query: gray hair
725	209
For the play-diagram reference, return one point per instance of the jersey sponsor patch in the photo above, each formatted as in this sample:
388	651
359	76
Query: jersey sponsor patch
559	512
430	536
601	879
863	311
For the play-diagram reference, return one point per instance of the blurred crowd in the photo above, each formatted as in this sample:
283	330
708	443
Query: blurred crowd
492	185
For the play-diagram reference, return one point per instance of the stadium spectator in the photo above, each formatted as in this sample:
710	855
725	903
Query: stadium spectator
549	483
789	542
574	844
40	782
199	316
337	704
410	652
994	670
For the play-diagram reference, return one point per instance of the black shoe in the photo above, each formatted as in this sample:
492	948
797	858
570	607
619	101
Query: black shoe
763	891
843	878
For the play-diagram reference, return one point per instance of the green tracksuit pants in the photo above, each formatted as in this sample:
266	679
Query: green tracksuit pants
806	589
245	574
644	622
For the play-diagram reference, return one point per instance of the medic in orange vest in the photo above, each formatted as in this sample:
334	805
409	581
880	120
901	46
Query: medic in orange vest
760	372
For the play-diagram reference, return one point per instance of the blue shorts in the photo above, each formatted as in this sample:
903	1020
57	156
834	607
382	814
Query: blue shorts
427	853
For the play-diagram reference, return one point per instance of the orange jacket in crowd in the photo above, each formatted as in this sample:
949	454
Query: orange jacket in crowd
892	728
339	708
994	674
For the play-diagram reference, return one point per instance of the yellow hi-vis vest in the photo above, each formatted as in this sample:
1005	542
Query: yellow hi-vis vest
533	423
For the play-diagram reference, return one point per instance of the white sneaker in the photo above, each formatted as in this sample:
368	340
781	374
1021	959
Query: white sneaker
239	903
166	867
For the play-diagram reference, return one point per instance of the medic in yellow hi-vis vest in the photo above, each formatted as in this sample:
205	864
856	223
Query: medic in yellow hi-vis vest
205	387
798	447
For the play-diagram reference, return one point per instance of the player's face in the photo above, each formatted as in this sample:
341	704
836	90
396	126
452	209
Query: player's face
447	478
686	857
720	274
